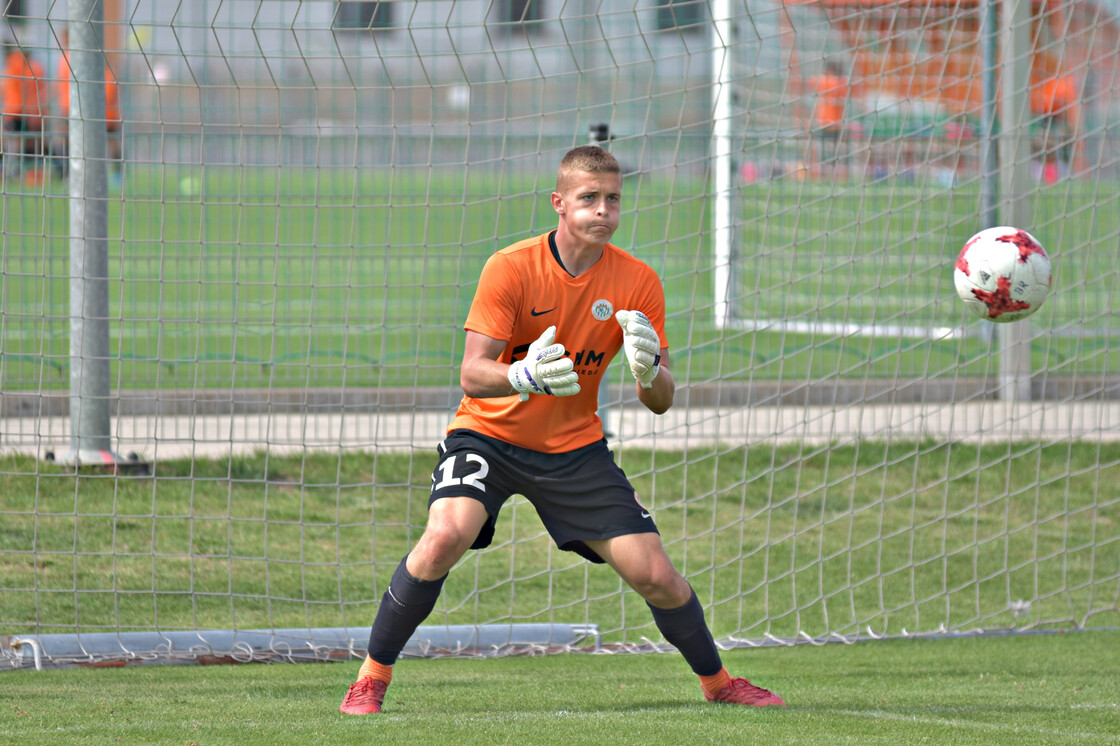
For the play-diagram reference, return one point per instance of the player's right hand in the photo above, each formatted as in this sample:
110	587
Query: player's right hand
544	370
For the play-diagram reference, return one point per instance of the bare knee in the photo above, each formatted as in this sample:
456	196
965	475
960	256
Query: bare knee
641	561
662	587
444	541
453	525
436	553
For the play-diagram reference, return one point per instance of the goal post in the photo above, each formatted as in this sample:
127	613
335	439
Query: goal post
1015	162
723	232
89	257
307	193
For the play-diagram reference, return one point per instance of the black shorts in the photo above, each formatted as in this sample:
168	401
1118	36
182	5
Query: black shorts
20	124
581	495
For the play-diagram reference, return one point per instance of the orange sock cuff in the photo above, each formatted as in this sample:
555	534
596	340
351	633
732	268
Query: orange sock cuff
712	684
375	670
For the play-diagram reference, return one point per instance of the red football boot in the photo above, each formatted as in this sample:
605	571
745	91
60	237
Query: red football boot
743	692
364	697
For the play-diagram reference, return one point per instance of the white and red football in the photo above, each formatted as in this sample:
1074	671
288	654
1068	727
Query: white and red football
1002	274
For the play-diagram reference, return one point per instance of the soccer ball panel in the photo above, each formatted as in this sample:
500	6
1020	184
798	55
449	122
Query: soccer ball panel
1002	274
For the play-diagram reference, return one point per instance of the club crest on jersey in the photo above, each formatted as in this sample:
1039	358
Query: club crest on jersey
602	310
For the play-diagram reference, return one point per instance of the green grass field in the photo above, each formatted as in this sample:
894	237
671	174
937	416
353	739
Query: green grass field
781	541
311	279
1036	689
308	278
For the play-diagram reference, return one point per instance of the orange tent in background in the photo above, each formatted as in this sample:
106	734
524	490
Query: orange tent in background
931	52
941	61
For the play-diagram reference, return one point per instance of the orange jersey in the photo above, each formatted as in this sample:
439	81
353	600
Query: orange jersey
62	91
523	290
1054	96
832	95
25	89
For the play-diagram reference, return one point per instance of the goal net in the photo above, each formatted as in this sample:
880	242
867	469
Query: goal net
298	198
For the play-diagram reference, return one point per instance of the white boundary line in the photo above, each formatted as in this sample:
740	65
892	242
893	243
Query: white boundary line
982	726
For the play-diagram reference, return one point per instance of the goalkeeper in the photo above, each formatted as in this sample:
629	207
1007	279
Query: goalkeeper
549	315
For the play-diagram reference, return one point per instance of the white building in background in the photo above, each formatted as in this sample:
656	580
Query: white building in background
328	82
229	80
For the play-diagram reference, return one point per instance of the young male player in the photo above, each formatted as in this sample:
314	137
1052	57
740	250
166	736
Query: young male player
548	316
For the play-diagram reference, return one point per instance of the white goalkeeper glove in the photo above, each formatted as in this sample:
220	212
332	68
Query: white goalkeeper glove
544	370
643	347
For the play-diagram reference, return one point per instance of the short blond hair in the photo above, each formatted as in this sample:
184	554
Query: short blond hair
588	159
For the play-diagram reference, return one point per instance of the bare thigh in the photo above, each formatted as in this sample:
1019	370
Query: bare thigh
641	561
453	524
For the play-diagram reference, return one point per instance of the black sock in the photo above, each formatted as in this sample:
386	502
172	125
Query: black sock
406	603
685	629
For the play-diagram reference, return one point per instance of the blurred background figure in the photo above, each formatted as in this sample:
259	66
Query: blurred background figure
1054	98
831	91
24	93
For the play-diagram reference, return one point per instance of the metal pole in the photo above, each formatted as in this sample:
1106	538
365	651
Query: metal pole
1015	177
89	255
989	163
722	223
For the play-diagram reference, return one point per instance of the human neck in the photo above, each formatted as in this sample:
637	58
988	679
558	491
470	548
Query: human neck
575	257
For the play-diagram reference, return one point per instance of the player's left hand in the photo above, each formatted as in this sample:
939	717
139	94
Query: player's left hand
643	348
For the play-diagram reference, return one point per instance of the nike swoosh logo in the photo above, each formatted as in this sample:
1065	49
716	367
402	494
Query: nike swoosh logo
645	514
535	312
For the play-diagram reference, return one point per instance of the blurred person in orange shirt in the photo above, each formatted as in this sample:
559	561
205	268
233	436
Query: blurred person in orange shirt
24	89
831	90
1054	98
62	104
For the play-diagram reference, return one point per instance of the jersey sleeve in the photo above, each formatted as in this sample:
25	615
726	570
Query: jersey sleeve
496	300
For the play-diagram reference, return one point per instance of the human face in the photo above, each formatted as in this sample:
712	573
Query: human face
589	206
